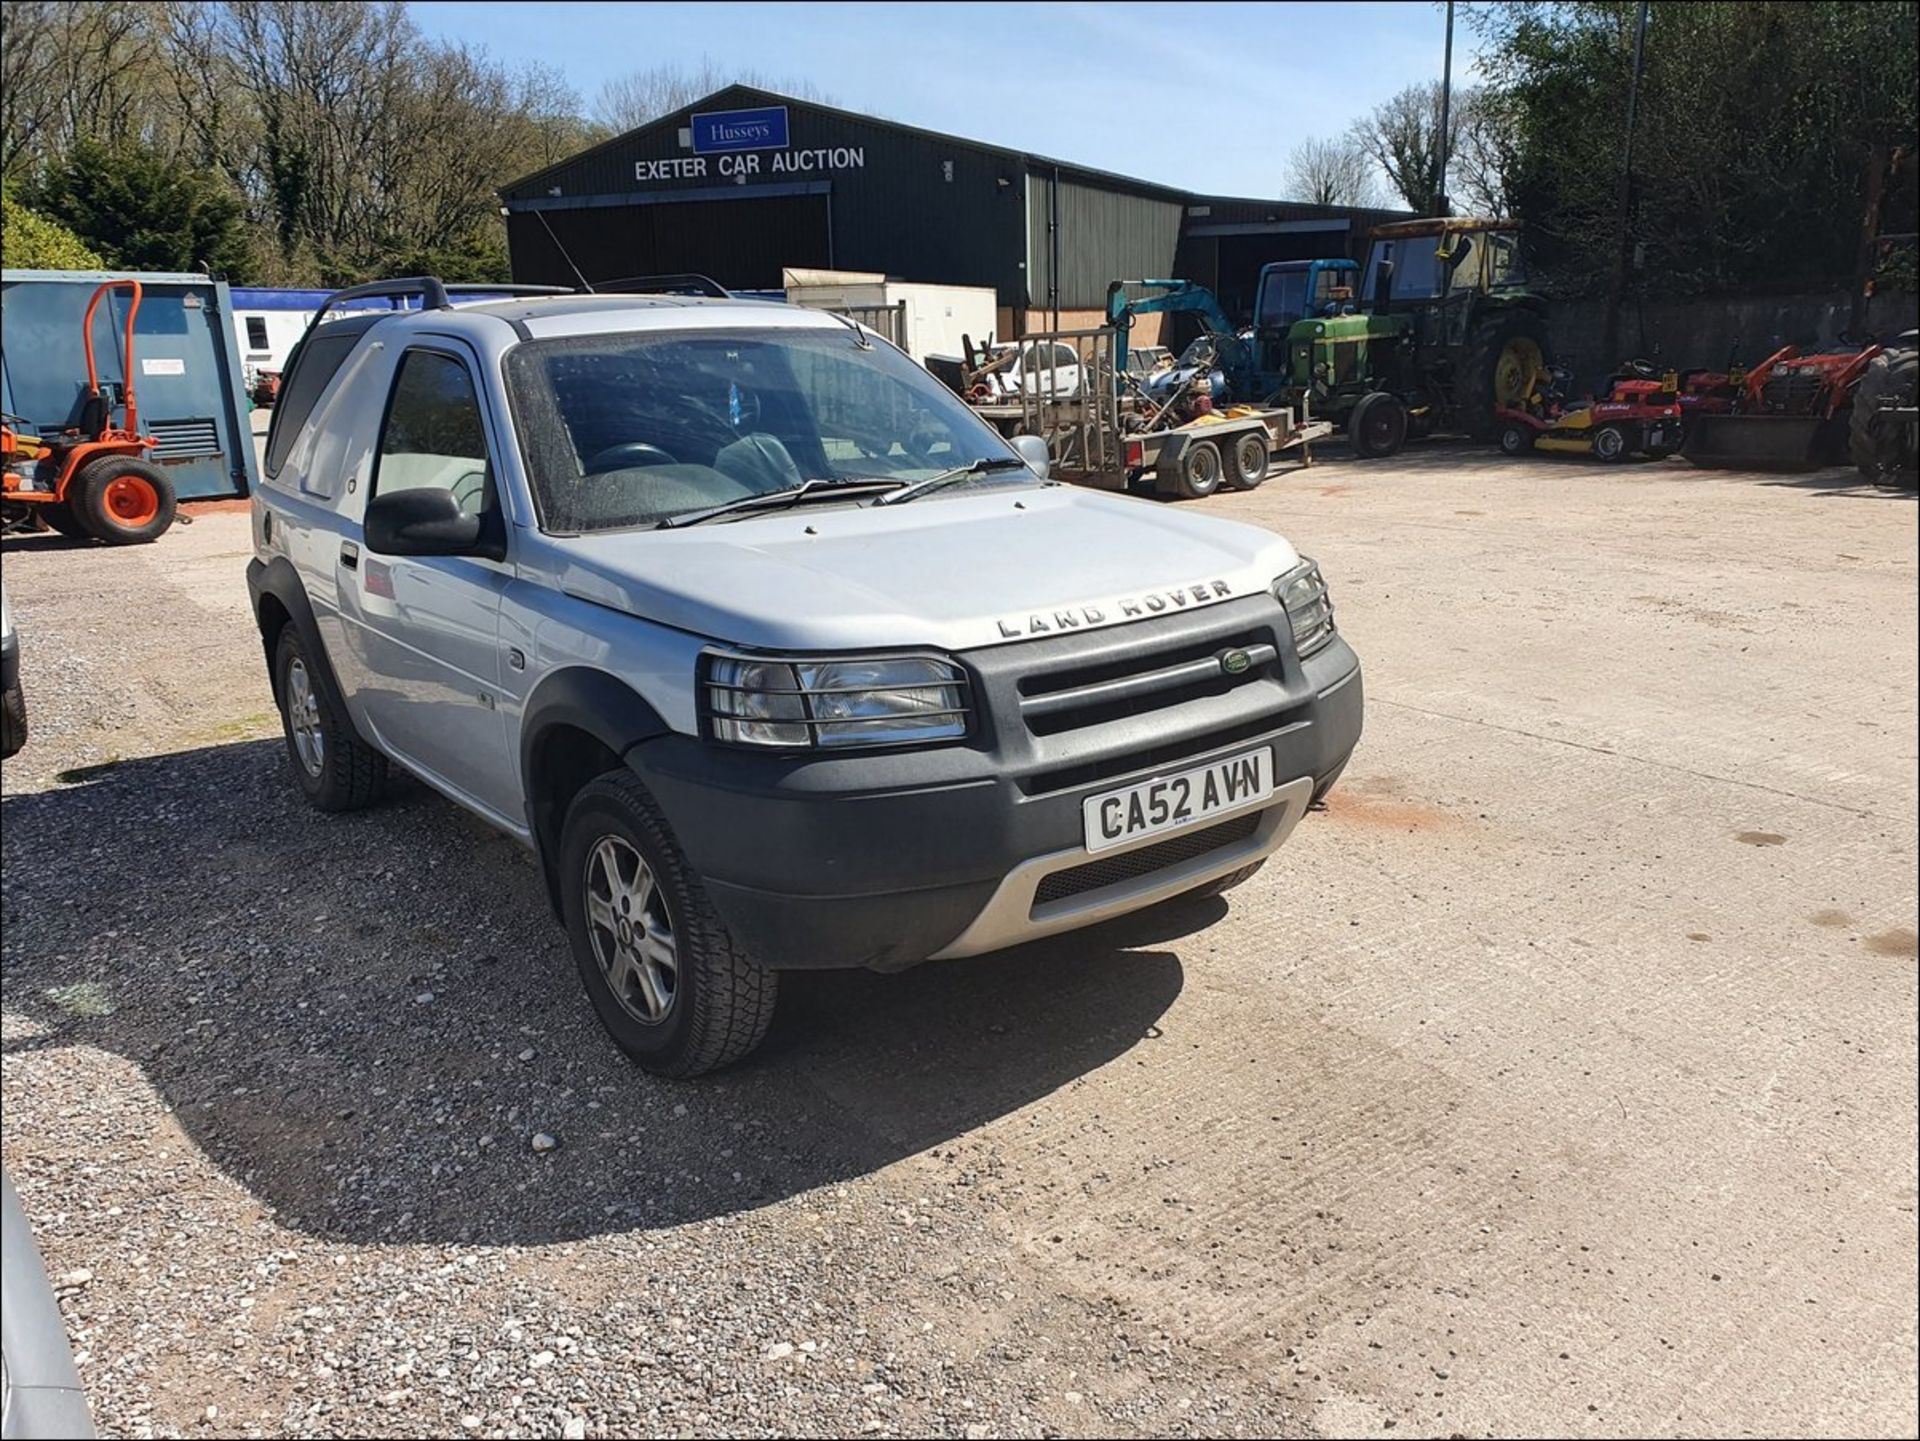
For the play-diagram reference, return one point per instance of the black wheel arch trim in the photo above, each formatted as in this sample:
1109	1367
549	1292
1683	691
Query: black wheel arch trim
277	578
582	698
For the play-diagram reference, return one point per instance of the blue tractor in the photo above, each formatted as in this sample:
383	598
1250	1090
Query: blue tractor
1244	366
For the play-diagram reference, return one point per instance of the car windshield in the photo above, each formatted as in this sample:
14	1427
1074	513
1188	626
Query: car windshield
629	429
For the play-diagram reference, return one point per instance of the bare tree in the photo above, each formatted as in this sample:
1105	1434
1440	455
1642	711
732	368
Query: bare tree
1484	154
629	101
1338	171
1403	137
74	70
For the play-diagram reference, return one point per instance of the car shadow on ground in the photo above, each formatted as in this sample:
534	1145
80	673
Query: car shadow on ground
365	1019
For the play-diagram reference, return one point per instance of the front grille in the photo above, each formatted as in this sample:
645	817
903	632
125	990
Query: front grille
1132	865
184	439
1153	678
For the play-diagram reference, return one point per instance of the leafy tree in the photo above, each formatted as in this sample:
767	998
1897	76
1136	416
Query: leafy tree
1338	171
30	241
1757	125
143	211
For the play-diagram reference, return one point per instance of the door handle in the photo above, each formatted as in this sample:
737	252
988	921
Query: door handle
349	555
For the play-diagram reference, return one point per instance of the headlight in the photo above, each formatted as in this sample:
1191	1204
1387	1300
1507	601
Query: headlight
880	700
1309	607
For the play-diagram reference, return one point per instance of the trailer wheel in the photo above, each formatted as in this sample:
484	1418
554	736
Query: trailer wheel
1378	426
1515	439
122	500
1249	459
1197	472
1610	444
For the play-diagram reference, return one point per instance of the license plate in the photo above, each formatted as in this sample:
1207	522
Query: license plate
1171	803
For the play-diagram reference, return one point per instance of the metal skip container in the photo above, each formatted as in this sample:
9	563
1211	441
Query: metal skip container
186	357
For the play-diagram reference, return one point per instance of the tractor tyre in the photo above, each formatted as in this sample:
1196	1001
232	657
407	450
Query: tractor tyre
1197	472
1885	453
1612	444
1248	459
1515	438
59	516
122	500
1507	351
1378	426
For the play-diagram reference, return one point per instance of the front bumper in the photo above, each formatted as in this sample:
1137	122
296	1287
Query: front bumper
890	858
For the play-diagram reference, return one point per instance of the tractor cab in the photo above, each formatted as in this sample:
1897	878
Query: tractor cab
1292	290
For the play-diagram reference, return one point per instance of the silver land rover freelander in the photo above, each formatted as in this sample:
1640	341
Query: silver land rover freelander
772	652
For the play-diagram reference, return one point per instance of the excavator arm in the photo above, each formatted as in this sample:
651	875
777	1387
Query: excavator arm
1180	296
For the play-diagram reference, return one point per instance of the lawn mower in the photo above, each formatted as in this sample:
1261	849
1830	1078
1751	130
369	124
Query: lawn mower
94	479
1641	415
1790	412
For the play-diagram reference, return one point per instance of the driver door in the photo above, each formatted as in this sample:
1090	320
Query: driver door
425	630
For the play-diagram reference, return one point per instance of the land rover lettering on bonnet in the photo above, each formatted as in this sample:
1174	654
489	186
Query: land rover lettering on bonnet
1132	607
772	653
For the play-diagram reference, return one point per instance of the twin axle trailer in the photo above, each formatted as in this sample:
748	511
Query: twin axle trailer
1106	432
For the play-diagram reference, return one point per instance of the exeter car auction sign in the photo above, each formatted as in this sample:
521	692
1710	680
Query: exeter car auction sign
734	139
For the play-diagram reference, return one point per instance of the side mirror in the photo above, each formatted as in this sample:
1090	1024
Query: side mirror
1033	450
428	521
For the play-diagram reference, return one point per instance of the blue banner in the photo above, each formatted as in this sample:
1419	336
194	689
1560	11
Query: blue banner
740	130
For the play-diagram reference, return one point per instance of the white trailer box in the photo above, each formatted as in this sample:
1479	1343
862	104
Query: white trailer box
936	316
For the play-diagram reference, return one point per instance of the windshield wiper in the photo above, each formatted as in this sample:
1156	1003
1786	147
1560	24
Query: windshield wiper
949	477
773	500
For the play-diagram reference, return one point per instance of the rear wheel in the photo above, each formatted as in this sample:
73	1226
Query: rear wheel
59	515
668	980
1250	458
1378	426
1197	471
1505	360
122	500
1883	446
335	768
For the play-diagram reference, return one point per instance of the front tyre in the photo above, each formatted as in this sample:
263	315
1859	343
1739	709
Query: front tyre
1611	444
1378	426
335	768
669	982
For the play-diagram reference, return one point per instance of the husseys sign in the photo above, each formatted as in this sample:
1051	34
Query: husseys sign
734	145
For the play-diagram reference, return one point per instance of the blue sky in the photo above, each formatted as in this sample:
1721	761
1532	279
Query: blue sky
1206	97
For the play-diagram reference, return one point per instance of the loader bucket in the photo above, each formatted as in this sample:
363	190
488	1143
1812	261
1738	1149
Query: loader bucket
1756	442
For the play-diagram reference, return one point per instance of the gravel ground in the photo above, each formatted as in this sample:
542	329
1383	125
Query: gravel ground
1560	1079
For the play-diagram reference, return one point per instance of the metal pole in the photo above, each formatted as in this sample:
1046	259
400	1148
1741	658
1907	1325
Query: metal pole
1440	206
1610	342
1053	240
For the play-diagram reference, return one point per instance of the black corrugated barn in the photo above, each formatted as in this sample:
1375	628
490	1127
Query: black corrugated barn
745	182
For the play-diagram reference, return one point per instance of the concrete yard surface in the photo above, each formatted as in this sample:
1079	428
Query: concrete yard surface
1560	1078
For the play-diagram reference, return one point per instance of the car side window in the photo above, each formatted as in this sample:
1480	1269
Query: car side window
434	435
314	362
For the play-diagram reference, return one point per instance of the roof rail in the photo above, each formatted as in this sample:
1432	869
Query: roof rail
434	293
687	283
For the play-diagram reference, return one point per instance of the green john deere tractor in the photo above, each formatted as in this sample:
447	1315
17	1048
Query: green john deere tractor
1445	330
